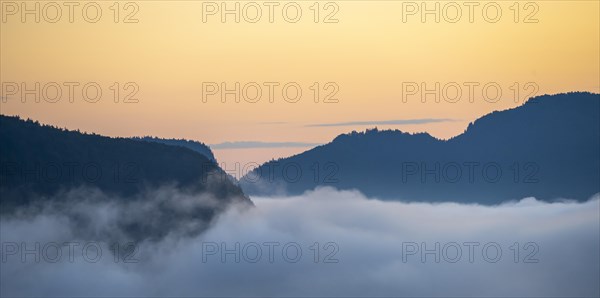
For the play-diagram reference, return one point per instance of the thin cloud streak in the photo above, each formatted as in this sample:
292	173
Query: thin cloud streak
385	122
253	144
272	123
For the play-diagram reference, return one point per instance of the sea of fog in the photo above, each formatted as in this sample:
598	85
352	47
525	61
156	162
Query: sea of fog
323	243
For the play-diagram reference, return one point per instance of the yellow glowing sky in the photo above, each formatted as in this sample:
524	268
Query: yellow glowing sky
368	54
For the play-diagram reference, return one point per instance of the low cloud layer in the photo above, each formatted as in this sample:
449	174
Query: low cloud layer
326	243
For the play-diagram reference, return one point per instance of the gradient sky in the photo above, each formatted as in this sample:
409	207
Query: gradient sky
368	54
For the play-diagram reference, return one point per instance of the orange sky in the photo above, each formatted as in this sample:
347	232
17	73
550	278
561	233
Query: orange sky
365	56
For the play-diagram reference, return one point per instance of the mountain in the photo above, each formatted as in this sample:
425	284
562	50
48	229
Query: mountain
192	145
176	187
547	148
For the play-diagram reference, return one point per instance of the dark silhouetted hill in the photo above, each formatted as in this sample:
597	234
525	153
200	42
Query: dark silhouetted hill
42	164
547	148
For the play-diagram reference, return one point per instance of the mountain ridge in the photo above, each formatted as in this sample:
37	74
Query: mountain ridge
519	142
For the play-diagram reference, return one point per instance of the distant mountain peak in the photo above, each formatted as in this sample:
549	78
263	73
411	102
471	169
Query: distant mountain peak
196	146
